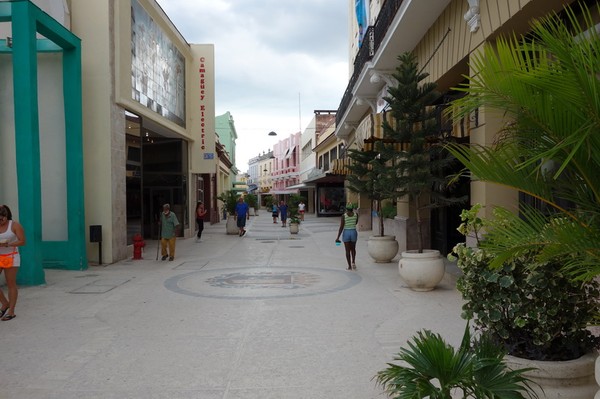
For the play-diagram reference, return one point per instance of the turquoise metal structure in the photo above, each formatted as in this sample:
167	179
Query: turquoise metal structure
27	20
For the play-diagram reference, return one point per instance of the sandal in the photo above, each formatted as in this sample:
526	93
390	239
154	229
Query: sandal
3	312
8	317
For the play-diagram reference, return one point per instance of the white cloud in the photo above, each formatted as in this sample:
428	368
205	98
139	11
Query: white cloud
269	54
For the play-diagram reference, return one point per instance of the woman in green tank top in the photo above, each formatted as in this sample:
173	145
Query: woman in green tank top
349	235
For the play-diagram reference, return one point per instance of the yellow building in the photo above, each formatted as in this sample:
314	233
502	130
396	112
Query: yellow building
443	34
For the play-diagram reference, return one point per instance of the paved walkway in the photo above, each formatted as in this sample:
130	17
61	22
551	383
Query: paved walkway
266	316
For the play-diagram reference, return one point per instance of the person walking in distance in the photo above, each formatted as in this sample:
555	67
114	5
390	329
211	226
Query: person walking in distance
200	213
283	208
275	212
12	236
301	209
168	233
242	214
349	235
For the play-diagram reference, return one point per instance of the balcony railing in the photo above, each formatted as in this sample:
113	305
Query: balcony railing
373	38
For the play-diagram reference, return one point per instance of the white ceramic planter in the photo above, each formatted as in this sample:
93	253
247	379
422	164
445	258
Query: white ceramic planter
231	226
421	271
597	372
294	228
382	248
571	379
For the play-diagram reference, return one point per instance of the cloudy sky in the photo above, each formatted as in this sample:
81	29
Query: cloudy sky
276	61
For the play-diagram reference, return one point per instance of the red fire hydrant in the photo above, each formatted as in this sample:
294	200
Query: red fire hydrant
138	244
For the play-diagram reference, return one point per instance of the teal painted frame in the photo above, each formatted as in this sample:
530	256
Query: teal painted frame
27	20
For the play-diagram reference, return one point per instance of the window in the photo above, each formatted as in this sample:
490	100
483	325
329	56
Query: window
333	154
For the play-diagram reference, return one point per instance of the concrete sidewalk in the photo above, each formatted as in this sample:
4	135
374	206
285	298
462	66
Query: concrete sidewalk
269	315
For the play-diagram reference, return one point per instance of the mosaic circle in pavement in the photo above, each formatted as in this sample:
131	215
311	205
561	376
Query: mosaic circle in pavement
261	283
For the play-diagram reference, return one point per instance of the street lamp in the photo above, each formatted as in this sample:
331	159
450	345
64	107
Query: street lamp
271	133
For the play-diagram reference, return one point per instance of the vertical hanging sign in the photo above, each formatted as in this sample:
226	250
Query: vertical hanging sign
202	73
203	104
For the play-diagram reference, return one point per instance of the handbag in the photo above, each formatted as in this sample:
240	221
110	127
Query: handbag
7	260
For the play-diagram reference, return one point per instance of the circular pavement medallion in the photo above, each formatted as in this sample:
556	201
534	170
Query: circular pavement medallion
261	283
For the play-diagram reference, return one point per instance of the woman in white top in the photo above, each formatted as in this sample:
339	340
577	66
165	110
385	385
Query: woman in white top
12	236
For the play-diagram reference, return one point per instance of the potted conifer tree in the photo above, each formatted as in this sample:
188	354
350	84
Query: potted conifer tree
373	176
294	219
419	160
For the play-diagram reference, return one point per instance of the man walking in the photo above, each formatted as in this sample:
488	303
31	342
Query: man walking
168	232
242	214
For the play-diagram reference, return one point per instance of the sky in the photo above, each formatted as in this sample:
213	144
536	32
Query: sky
276	62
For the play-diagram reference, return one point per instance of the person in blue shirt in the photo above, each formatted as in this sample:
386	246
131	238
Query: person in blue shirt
242	214
283	208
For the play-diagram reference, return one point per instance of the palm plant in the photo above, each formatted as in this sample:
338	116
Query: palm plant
547	85
252	200
434	369
229	199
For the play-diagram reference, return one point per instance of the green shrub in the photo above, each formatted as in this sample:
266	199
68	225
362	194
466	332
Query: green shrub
532	308
388	211
229	199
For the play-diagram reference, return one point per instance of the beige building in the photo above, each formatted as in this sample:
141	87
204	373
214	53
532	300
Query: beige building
147	122
442	34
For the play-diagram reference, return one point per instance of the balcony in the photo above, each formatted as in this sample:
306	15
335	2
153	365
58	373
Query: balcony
399	27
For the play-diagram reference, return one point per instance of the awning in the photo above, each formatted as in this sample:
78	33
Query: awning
340	166
300	186
371	129
326	178
283	192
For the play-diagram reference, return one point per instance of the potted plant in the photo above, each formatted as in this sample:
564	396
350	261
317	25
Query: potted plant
419	161
252	200
546	88
229	199
268	201
532	309
372	176
547	147
294	219
431	368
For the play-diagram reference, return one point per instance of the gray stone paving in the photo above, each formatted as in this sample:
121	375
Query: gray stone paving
267	315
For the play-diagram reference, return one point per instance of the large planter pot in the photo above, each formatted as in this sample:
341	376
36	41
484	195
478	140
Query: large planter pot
572	379
382	248
422	271
294	228
231	226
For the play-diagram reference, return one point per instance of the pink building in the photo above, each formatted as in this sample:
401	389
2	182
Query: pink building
286	164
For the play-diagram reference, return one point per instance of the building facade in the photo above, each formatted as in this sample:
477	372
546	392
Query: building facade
146	118
443	34
330	196
286	165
